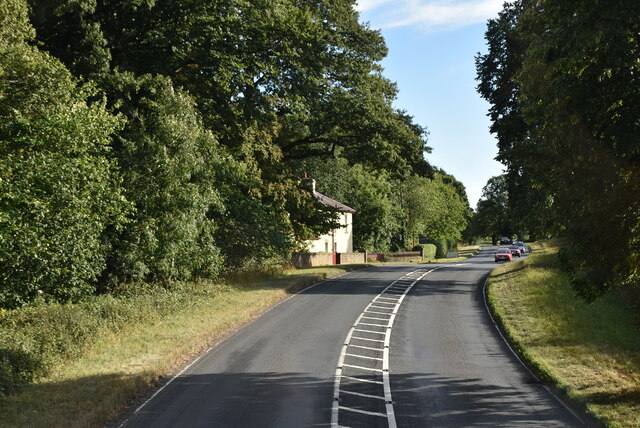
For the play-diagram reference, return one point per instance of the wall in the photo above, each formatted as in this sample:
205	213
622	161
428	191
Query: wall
306	260
342	238
352	258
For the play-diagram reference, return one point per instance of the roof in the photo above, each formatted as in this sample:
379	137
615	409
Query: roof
325	200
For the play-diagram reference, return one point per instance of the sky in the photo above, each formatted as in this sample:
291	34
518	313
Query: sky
432	45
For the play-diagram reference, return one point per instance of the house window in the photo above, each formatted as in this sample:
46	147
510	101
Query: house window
326	247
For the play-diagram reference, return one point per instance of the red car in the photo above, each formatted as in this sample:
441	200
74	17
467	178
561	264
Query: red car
504	254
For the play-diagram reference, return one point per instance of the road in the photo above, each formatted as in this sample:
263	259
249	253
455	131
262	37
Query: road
394	345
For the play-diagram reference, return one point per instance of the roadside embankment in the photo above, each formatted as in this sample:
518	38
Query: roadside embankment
82	364
591	352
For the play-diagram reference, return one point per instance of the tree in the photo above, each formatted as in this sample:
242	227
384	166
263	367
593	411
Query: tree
433	208
562	78
517	150
276	82
367	191
272	79
492	216
580	88
171	168
60	195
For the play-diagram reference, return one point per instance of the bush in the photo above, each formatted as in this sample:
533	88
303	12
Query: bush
441	248
429	250
35	339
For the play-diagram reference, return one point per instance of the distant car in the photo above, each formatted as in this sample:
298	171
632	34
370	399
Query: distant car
503	254
505	241
523	248
515	250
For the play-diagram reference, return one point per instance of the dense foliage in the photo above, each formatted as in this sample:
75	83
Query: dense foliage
60	195
563	80
163	141
392	213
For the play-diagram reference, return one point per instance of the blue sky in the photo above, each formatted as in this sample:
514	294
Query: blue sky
432	45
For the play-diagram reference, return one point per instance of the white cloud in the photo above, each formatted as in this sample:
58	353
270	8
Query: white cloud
364	5
428	13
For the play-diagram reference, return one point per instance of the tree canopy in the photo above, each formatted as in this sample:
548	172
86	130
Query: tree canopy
562	78
159	141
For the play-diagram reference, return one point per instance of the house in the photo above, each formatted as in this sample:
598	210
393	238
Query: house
338	240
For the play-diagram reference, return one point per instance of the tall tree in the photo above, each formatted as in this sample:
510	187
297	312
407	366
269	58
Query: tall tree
60	195
276	82
492	217
572	76
580	88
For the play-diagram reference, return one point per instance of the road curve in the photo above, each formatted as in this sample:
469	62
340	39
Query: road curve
447	365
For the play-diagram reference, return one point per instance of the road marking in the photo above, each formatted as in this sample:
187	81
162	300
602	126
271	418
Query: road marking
366	347
362	356
379	307
370	340
374	325
369	331
359	394
377	318
384	303
349	409
370	369
379	313
400	288
357	379
385	298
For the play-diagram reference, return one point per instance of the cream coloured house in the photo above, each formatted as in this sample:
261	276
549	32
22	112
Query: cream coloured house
338	240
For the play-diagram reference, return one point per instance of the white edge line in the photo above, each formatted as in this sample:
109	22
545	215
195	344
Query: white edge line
504	339
215	345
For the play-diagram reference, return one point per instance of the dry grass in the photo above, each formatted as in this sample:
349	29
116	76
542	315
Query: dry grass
590	351
120	367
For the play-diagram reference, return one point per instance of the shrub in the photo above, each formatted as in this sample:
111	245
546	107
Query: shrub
429	250
37	338
441	248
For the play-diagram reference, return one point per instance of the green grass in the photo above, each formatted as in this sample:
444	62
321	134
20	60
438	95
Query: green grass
590	351
116	365
464	252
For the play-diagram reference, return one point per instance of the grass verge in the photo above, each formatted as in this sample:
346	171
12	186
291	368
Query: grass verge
117	365
590	351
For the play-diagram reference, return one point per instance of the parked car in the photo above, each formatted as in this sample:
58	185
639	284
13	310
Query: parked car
515	250
503	254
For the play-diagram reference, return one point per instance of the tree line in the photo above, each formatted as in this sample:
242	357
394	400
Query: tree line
157	141
563	81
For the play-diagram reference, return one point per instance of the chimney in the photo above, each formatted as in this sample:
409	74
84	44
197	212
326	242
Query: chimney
309	184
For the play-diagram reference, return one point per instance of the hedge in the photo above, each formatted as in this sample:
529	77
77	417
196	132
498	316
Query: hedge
429	250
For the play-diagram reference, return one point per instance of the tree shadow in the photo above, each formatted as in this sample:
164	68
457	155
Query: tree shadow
440	401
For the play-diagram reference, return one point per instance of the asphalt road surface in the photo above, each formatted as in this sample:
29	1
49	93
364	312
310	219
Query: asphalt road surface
395	345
